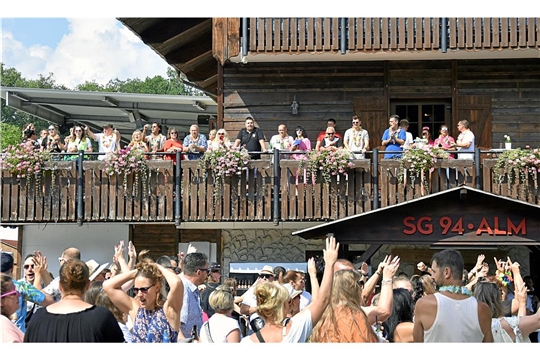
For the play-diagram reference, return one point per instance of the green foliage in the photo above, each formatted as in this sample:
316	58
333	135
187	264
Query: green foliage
9	135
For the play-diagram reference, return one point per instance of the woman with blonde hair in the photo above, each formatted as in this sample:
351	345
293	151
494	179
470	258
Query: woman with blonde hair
9	303
221	327
156	317
138	142
72	319
221	141
343	320
77	141
274	301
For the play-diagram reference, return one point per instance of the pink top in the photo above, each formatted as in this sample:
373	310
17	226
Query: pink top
445	141
305	145
10	332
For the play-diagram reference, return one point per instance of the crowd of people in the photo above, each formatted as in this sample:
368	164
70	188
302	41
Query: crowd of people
395	139
184	298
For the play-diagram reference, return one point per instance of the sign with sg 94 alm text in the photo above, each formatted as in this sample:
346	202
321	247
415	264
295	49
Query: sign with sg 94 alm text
446	225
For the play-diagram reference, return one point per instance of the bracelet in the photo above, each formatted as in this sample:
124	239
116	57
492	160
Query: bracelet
387	282
378	273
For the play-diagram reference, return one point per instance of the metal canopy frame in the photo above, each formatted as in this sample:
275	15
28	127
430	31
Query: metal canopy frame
126	112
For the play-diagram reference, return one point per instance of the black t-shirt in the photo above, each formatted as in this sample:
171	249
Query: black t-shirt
205	295
95	324
251	140
51	145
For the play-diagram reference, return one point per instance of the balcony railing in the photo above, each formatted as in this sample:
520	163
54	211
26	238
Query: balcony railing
269	191
298	35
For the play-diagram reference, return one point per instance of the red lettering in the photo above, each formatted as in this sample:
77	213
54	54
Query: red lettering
496	227
484	227
458	227
428	228
445	223
512	229
410	227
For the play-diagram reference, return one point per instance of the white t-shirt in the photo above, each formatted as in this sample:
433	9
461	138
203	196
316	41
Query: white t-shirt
466	136
251	301
106	144
219	326
301	327
408	140
356	141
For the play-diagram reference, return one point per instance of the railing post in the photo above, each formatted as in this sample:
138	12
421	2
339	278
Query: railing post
80	182
277	173
477	178
177	198
343	37
375	178
244	37
444	35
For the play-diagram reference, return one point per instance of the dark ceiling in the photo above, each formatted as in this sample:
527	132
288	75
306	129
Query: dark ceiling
184	43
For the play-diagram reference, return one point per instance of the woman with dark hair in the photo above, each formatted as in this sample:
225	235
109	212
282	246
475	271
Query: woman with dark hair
279	273
103	300
156	316
93	291
399	326
173	145
422	285
9	303
302	145
426	134
72	319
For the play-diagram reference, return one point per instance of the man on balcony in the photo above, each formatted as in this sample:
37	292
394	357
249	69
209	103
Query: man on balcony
252	138
108	141
356	139
465	140
330	123
393	138
195	143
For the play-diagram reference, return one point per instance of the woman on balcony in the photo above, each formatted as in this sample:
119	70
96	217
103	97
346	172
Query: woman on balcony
77	141
156	315
221	141
172	145
137	141
444	140
426	134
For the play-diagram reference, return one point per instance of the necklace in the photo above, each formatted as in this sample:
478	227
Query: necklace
456	289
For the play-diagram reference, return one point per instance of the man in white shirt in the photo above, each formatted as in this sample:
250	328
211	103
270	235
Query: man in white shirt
356	139
465	140
404	124
108	141
249	304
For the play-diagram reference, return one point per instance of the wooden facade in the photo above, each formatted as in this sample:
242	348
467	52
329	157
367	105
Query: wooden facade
498	97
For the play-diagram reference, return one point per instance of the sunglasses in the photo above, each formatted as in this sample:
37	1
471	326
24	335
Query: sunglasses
144	290
356	122
330	133
206	270
221	133
14	292
78	130
28	266
444	129
174	132
266	276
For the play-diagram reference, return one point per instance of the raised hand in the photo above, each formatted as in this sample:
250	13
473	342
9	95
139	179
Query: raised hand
422	267
499	264
383	263
191	249
132	253
119	251
311	266
514	266
330	254
40	262
479	261
364	269
390	269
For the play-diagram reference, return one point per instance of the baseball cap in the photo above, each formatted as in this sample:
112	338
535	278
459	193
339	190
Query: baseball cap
7	262
214	266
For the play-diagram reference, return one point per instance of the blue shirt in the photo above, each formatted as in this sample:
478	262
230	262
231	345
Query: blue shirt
394	147
28	293
191	313
201	141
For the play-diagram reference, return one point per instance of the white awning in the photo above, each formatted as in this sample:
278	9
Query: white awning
256	267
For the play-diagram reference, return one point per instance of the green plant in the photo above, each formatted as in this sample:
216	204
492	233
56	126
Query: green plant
328	163
419	160
516	164
128	161
223	163
507	139
24	162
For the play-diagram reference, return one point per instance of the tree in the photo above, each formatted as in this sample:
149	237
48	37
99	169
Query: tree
9	135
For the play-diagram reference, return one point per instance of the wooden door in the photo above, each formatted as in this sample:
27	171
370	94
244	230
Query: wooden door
476	109
373	113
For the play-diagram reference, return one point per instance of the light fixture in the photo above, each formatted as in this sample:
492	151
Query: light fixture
199	106
294	107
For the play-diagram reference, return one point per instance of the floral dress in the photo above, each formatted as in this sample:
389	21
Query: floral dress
150	325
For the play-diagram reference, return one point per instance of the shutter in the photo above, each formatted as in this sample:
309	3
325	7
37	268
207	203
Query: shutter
373	114
477	110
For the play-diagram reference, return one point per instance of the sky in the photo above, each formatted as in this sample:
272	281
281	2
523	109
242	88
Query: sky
77	50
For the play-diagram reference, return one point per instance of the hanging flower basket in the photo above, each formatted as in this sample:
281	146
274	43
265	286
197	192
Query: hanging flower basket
419	161
516	166
24	162
326	164
223	163
128	161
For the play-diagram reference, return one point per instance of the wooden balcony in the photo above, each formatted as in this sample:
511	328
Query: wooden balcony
319	35
258	195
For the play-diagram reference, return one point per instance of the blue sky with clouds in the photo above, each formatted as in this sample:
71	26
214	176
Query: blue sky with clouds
76	50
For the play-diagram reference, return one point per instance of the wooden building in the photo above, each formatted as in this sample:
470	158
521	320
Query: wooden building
432	71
